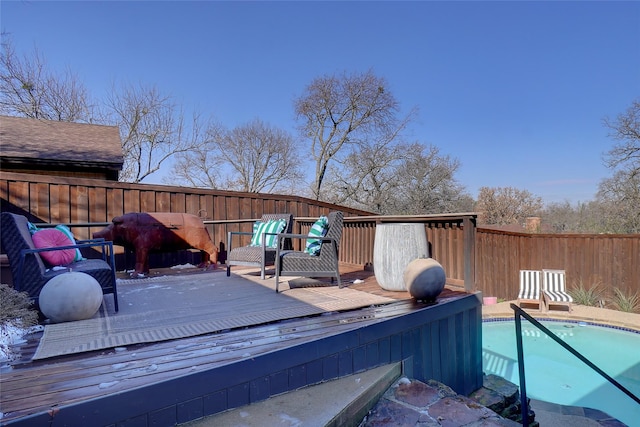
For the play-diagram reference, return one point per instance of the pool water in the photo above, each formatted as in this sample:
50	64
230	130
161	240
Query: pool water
555	375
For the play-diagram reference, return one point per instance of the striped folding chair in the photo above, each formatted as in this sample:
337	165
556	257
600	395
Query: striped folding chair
530	288
554	289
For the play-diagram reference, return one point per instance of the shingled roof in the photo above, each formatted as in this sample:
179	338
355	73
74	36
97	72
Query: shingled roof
47	143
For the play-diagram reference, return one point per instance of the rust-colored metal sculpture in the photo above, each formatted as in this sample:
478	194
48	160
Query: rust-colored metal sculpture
148	232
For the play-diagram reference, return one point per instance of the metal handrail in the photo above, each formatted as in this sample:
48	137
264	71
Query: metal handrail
524	407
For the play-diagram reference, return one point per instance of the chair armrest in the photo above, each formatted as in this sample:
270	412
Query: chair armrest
105	245
304	236
293	236
246	233
301	236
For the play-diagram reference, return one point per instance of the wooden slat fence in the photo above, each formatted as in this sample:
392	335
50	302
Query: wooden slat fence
73	201
62	200
588	259
483	259
449	241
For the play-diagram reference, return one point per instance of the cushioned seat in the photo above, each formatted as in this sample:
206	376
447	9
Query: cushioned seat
530	288
256	256
554	289
302	263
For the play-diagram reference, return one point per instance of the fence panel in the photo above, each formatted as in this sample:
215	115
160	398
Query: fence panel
588	260
482	259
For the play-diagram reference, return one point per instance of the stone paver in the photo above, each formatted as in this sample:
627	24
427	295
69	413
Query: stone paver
414	403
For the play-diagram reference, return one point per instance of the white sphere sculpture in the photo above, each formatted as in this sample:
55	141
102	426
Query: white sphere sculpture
70	296
424	278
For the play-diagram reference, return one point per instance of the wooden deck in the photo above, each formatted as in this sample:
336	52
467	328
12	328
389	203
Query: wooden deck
37	390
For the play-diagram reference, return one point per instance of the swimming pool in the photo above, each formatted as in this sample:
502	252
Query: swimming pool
554	375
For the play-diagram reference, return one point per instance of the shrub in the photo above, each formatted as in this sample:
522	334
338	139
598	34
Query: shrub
15	308
592	296
623	302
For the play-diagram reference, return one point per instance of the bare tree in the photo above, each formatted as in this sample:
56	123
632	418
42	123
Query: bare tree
619	195
506	205
366	182
563	217
254	157
345	111
619	200
30	89
626	130
202	166
398	179
152	129
427	184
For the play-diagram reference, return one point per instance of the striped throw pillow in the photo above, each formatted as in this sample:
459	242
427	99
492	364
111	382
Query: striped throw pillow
269	229
318	229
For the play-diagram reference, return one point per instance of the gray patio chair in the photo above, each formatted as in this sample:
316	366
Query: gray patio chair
300	263
29	272
256	256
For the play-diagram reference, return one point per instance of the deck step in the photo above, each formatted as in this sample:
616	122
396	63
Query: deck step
341	402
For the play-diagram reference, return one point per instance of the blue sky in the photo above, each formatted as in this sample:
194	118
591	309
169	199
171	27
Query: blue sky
515	90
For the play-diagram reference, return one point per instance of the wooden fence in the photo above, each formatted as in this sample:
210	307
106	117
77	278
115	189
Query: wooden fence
480	259
63	200
87	205
451	240
588	259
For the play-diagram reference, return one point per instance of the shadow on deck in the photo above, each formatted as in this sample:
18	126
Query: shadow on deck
171	382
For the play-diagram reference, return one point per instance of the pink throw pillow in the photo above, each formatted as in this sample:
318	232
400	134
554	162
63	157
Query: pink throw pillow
52	238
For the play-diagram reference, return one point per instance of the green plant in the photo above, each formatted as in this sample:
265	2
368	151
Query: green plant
591	296
15	308
623	302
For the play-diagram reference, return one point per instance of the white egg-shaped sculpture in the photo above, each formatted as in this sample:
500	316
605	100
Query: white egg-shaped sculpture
424	278
70	296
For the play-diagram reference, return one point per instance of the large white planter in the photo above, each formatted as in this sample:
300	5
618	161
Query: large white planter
395	246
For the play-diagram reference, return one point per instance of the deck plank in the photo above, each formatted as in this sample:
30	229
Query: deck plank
36	386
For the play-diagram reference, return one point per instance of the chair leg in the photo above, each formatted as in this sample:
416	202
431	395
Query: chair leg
337	267
228	270
276	265
115	287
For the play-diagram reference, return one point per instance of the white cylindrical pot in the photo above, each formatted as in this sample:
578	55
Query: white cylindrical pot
394	247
